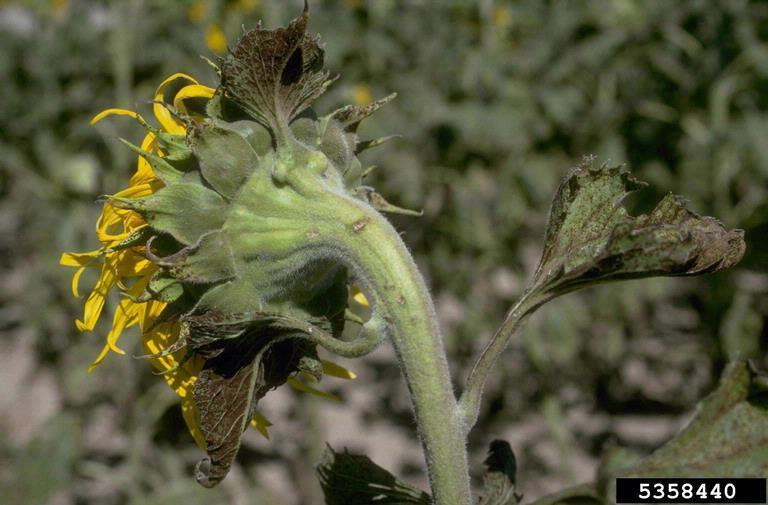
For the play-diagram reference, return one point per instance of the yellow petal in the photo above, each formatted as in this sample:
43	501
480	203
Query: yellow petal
306	388
79	259
162	113
95	302
117	112
99	359
140	190
125	315
76	281
159	338
144	172
156	340
116	224
156	309
183	379
336	370
359	296
261	423
134	265
189	412
191	91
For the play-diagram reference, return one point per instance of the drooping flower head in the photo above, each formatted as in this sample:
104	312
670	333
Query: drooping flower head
213	246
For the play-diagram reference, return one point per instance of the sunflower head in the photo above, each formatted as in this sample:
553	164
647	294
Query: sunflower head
215	245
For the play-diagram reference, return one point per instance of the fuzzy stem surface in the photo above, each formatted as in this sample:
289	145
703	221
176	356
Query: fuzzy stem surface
400	298
469	403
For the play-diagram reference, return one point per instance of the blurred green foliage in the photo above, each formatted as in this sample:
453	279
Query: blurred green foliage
496	100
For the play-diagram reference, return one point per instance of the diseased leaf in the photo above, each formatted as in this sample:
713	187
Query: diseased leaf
352	479
382	205
275	74
364	145
499	479
226	158
590	237
350	116
244	359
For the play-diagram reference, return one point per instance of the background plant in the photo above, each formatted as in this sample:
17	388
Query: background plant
495	103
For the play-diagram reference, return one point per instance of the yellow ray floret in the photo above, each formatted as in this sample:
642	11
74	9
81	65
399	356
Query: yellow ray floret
129	271
163	115
359	297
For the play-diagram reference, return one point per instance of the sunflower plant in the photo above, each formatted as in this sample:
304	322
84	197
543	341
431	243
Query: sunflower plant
247	235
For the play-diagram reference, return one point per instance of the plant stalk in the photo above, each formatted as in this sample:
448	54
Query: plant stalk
401	300
469	403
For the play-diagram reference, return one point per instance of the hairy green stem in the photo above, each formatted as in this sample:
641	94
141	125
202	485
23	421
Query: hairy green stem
401	300
469	403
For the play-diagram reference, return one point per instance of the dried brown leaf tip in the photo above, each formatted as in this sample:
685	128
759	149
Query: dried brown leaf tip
591	238
275	74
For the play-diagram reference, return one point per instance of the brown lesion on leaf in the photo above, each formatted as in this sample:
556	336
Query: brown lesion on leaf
275	74
591	238
244	359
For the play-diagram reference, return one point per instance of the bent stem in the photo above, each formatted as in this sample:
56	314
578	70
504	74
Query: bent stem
469	404
401	300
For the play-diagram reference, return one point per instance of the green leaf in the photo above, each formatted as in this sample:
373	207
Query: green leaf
352	479
727	438
184	210
590	237
226	158
499	479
